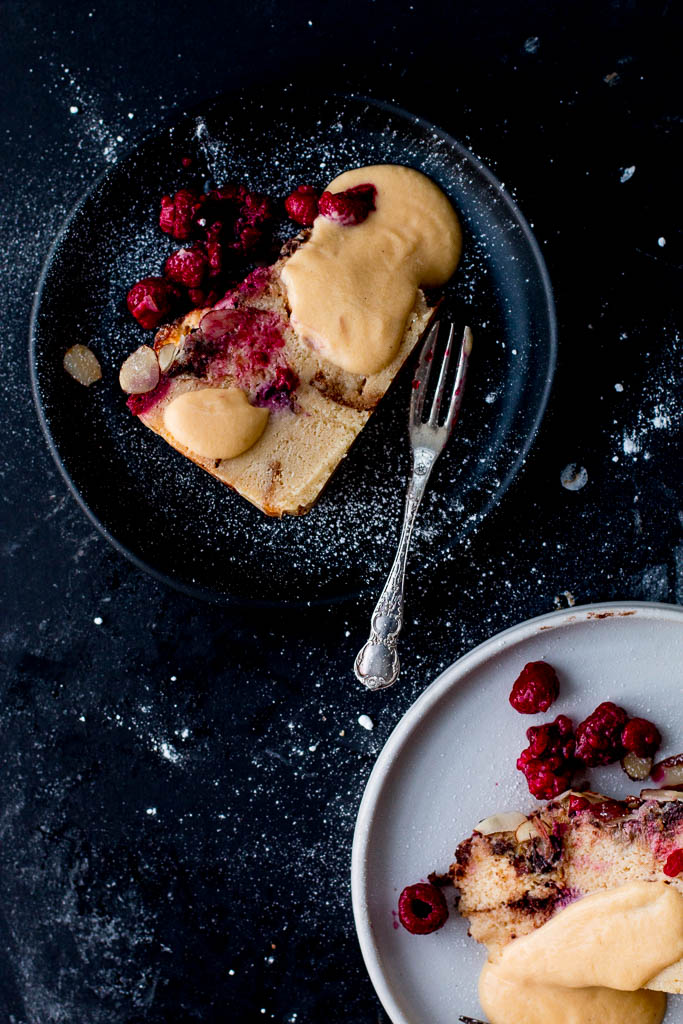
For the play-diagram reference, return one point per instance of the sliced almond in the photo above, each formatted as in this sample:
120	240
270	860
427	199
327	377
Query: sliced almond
669	772
528	831
166	356
506	822
637	768
662	795
140	372
82	364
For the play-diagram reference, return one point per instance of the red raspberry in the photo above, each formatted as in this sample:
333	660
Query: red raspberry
252	221
598	737
350	207
553	739
535	688
674	864
202	299
151	300
548	762
214	252
187	266
578	804
302	205
422	908
177	214
641	737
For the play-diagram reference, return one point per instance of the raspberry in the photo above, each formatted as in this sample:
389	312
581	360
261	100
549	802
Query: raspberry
350	207
214	253
552	739
278	394
674	864
151	300
187	266
422	908
578	804
535	688
548	762
302	205
598	737
202	299
177	214
641	737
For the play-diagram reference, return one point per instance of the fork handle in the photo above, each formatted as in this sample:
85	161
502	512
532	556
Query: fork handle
377	663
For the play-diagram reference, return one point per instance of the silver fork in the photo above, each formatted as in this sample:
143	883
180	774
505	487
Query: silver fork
377	663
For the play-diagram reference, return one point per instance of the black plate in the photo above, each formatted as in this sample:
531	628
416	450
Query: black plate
171	518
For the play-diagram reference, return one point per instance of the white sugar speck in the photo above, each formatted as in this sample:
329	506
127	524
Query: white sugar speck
619	387
573	477
662	418
152	811
631	444
73	109
366	722
661	242
98	620
532	44
627	173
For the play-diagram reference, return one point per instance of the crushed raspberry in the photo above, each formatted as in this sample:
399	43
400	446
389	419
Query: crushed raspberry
256	280
608	810
548	762
535	689
422	908
641	737
598	737
187	266
244	342
302	205
139	404
674	864
350	207
151	300
278	394
177	214
578	804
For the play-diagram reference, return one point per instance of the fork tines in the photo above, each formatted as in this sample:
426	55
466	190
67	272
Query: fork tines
422	379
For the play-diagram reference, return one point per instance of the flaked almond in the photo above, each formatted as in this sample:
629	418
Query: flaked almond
662	795
587	794
506	822
140	372
82	364
166	356
527	831
637	768
669	772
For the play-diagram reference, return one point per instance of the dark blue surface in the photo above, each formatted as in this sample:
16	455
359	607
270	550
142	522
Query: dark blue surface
180	782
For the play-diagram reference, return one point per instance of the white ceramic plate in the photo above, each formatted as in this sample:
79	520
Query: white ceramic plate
451	762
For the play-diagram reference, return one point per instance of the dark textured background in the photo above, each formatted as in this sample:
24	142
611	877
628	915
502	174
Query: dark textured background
180	782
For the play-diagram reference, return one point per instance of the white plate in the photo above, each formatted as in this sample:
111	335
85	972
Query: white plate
451	762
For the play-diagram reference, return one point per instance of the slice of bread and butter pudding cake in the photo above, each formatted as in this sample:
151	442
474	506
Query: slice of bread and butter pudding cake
516	872
268	387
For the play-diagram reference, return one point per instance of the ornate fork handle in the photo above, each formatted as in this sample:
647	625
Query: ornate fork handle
377	664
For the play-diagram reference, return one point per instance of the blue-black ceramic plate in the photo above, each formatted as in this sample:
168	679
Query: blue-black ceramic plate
166	514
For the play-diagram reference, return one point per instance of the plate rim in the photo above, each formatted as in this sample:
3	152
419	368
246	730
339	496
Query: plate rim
398	738
205	593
